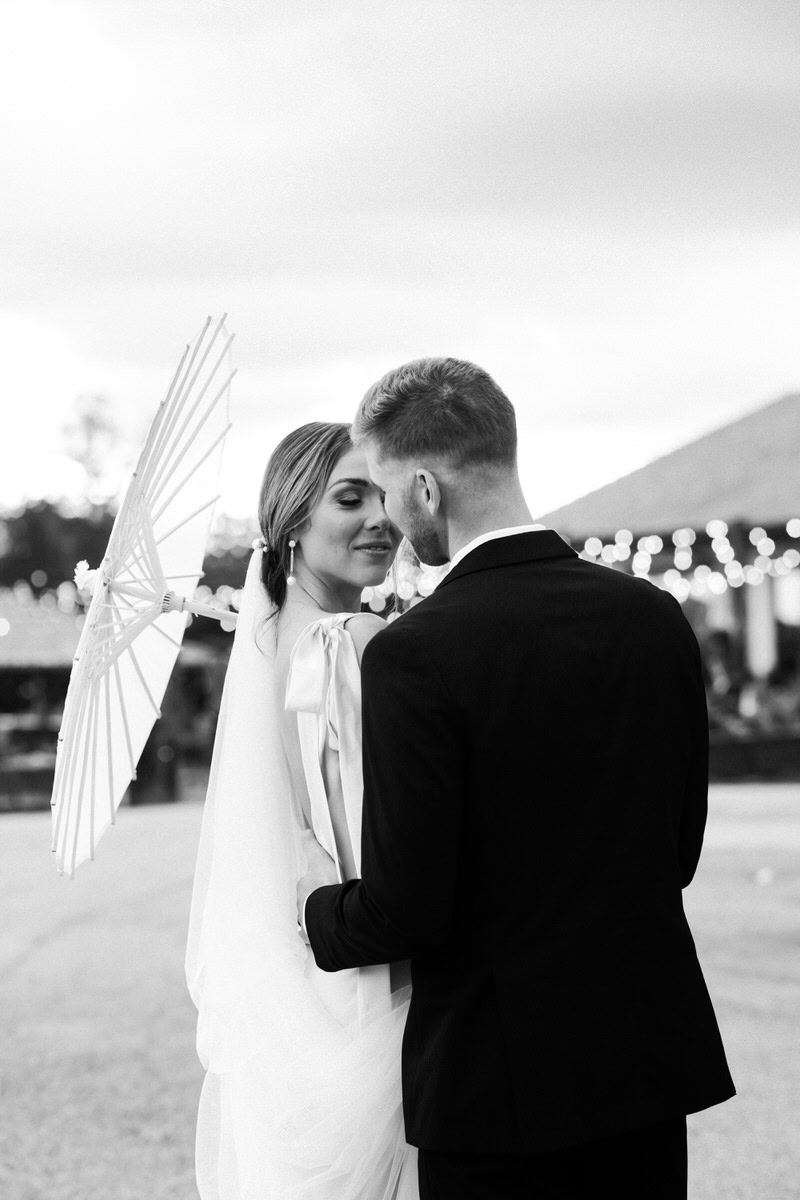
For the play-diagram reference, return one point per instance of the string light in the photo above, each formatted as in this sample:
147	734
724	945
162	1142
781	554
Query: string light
684	577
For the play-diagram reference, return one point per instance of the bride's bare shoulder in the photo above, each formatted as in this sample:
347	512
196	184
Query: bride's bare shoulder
362	628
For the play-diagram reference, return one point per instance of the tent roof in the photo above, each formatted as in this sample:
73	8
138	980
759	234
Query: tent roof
747	471
35	634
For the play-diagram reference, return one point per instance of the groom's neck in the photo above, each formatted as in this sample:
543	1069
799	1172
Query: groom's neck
477	514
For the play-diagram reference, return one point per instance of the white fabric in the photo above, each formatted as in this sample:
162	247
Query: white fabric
490	537
302	1093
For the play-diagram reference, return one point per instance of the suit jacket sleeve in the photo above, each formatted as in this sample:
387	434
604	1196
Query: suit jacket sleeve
413	794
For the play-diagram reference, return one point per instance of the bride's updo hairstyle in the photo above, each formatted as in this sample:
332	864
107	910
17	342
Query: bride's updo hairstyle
294	482
439	406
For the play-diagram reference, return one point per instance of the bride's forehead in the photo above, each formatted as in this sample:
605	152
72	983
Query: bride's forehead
352	465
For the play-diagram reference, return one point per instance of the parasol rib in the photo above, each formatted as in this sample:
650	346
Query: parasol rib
166	635
159	485
186	520
131	759
166	503
75	810
109	744
169	464
174	416
155	429
139	551
143	682
172	575
70	760
93	720
131	630
167	414
177	451
147	534
135	569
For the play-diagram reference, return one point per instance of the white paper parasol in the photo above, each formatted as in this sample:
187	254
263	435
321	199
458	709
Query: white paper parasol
141	593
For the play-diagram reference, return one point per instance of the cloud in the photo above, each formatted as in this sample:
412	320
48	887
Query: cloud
597	202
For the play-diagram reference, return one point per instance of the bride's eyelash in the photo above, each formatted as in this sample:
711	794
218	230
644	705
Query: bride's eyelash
351	499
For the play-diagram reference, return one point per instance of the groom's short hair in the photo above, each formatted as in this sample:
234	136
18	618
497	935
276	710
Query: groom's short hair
440	406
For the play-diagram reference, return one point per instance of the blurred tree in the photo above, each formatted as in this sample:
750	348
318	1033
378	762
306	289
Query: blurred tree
42	543
91	438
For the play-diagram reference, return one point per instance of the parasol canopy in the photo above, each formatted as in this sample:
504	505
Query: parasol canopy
141	593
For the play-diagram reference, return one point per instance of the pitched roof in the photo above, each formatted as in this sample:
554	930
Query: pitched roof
746	471
36	633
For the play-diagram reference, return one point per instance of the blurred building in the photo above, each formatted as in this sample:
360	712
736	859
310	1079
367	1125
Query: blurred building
717	523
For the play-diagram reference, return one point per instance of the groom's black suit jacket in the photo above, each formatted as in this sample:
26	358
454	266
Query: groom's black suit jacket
535	777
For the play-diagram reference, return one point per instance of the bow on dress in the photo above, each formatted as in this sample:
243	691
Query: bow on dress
324	689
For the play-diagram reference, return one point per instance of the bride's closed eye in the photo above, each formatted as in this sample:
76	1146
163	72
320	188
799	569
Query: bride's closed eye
350	499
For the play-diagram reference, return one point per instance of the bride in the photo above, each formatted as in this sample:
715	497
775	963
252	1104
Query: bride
302	1091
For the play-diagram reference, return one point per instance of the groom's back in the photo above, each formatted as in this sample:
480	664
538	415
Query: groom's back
564	998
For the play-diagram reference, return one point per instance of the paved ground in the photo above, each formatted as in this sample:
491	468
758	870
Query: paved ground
97	1065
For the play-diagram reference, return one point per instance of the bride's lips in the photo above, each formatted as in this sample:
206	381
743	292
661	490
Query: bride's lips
376	548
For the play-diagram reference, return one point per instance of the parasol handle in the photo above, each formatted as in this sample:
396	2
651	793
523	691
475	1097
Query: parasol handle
172	602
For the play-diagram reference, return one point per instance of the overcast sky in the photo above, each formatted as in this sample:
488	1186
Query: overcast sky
597	201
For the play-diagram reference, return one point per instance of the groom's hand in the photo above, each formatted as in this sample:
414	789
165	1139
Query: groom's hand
320	871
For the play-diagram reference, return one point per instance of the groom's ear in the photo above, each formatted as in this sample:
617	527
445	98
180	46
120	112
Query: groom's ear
429	490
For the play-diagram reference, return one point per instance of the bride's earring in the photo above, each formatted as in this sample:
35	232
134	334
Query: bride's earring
290	579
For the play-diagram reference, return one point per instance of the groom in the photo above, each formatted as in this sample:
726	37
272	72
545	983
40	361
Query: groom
535	773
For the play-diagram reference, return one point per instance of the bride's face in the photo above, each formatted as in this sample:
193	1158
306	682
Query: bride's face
348	540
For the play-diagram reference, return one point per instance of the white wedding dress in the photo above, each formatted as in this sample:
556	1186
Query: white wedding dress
302	1096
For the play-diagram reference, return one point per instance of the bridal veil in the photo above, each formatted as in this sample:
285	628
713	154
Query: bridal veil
302	1091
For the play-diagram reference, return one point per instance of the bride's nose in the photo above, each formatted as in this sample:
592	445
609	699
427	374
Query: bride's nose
376	518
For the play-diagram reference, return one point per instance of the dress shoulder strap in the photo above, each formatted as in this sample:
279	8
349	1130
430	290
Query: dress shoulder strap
324	689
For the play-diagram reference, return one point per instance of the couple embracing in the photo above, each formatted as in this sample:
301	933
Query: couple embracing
437	941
